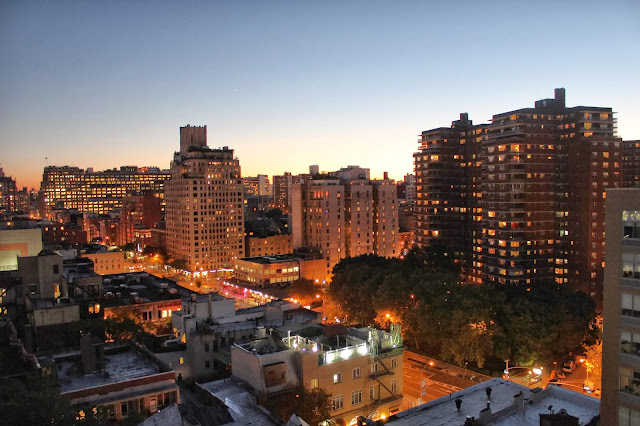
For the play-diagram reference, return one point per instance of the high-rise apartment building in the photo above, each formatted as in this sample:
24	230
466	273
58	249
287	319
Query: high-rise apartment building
512	199
341	218
282	191
631	163
97	192
204	211
257	186
8	194
621	340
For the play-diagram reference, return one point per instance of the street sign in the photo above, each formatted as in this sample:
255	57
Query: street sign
423	387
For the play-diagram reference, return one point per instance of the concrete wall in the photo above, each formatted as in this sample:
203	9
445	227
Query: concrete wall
18	242
56	315
43	271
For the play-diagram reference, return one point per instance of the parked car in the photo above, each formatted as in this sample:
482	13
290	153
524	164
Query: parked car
530	379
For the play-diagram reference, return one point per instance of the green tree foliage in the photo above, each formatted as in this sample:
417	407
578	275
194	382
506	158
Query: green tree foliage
152	251
31	402
128	247
312	406
460	322
180	264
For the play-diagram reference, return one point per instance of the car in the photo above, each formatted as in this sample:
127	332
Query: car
530	379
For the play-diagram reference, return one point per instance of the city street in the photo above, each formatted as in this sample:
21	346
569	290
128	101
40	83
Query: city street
441	379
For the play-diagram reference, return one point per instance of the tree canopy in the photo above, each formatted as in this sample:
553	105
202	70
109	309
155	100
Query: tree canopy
311	405
458	321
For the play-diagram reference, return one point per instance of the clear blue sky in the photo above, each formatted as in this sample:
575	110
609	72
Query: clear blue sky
292	83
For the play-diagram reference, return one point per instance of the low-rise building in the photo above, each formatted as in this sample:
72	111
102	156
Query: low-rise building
105	262
499	402
362	368
114	381
146	298
279	270
210	325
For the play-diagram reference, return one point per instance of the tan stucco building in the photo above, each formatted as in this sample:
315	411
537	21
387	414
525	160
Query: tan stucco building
361	368
204	204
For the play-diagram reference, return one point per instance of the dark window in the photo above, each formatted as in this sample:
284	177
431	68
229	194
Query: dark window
56	269
206	364
206	347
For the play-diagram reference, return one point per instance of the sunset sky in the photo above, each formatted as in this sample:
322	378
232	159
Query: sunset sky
291	83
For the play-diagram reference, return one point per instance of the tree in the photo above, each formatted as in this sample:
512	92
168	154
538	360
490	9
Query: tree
180	264
311	405
128	247
32	402
305	291
593	363
124	325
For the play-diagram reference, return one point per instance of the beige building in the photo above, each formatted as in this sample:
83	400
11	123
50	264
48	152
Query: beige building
621	340
268	246
204	204
109	262
361	368
267	271
341	218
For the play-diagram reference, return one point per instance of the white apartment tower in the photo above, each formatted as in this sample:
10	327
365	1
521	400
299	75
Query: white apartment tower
204	211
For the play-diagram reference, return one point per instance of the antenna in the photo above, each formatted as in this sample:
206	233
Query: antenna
47	160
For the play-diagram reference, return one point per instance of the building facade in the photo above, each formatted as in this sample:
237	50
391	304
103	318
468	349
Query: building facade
511	199
340	218
9	201
621	340
361	368
631	164
204	204
282	191
96	192
268	245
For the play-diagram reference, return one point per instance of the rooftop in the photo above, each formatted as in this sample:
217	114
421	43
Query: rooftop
122	363
504	409
243	406
140	287
268	260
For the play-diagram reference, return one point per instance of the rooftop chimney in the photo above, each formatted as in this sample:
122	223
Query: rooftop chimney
560	96
458	403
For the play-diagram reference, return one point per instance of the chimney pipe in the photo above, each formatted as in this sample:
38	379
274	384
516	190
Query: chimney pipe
210	306
458	403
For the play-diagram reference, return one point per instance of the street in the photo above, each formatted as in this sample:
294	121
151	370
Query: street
441	379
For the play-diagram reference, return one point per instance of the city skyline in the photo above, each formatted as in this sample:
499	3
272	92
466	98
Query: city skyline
288	85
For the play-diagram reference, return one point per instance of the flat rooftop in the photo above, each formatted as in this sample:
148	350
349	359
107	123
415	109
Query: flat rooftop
117	289
268	260
121	364
443	412
242	405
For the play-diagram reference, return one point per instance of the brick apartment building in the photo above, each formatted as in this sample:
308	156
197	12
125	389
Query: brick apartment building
521	199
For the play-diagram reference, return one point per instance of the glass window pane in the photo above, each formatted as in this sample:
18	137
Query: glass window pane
623	416
627	301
